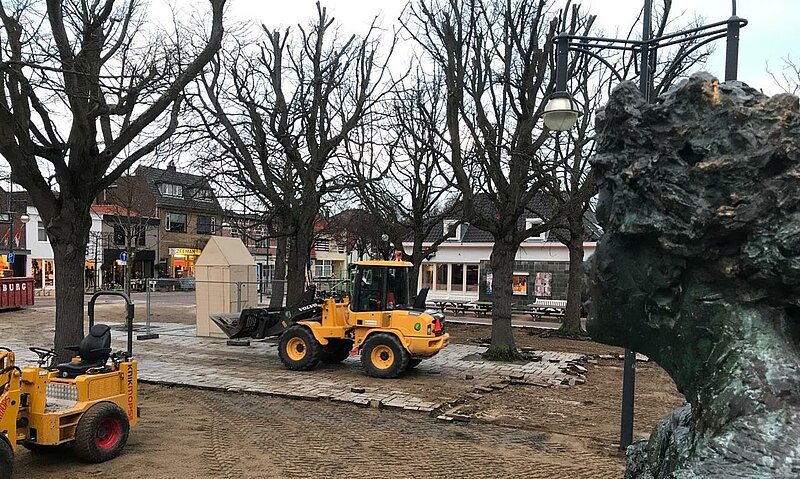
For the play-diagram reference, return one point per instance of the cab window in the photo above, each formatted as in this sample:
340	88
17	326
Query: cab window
371	294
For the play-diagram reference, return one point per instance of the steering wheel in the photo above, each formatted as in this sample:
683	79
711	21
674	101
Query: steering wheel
44	354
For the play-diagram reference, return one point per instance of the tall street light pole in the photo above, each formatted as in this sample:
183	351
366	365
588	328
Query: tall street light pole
561	112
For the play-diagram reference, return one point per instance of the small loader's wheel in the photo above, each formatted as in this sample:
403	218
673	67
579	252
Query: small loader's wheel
336	351
6	459
384	356
102	432
414	362
298	349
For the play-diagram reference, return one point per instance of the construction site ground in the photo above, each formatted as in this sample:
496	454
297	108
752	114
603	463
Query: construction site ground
457	416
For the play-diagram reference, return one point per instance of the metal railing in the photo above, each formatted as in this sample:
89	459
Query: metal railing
239	294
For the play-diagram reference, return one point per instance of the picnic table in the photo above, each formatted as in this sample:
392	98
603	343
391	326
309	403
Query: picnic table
456	306
481	307
547	307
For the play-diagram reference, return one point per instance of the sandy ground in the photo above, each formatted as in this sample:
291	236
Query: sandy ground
521	431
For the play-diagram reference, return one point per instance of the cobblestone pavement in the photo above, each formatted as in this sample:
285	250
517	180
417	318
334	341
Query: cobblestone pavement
177	357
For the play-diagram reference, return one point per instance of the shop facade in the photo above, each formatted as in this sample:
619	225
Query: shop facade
180	261
460	268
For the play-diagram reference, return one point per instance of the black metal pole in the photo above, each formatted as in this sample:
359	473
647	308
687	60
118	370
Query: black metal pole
732	48
629	366
562	45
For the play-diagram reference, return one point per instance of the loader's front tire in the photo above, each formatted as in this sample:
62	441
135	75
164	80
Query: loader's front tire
336	351
384	356
6	459
298	349
102	432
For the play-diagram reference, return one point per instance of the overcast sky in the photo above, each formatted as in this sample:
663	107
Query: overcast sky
771	36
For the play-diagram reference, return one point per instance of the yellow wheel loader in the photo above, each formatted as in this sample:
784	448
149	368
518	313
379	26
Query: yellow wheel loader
380	320
89	403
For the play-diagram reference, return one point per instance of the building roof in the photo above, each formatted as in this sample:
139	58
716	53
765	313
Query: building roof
190	183
113	210
540	207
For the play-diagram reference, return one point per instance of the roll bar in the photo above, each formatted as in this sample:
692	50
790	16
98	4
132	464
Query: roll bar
128	317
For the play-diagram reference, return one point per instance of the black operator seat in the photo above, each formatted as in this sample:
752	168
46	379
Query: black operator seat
94	352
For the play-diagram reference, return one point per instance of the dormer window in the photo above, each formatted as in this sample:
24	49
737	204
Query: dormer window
452	232
170	189
532	223
204	194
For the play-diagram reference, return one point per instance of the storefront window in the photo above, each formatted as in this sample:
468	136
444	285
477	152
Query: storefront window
441	277
427	276
457	277
43	272
472	277
520	284
6	268
182	261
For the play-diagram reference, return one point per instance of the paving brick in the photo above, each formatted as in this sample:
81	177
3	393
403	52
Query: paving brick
208	363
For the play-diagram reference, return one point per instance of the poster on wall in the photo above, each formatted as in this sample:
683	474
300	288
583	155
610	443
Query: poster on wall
489	278
520	284
543	285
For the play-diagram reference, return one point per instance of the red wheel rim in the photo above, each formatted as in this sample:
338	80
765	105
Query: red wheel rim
108	433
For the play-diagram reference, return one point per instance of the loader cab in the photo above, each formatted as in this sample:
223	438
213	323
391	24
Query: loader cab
380	286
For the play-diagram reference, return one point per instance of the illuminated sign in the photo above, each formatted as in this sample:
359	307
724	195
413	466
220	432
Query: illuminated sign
184	251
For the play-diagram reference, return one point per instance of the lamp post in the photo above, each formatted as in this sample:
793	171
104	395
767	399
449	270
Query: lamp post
561	111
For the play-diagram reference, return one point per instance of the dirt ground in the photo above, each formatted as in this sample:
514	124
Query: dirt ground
520	431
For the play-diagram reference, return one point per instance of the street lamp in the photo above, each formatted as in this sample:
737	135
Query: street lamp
560	113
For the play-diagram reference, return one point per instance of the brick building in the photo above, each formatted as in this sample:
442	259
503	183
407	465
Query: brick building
187	210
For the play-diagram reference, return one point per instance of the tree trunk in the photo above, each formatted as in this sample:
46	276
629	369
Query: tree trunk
416	262
502	263
69	261
299	257
279	278
572	315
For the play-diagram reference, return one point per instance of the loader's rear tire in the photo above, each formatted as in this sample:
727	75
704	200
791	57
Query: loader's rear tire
384	356
336	351
298	349
6	459
102	432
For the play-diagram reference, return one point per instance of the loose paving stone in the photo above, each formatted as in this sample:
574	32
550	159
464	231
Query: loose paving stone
178	357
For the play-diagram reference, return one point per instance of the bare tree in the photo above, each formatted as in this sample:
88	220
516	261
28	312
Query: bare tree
130	226
280	116
80	86
788	78
402	182
495	56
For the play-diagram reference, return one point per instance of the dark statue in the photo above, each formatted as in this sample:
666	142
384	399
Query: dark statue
699	268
